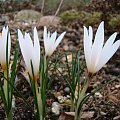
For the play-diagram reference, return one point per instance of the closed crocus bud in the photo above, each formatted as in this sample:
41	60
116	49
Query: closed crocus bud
51	41
4	37
30	52
97	53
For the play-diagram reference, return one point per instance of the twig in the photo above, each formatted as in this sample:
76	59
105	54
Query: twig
42	7
42	12
57	11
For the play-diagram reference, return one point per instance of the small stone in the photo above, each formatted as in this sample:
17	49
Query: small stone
25	89
117	117
97	94
55	108
67	89
13	102
68	102
26	24
117	86
49	20
61	99
69	58
112	88
60	69
66	47
58	94
96	84
102	113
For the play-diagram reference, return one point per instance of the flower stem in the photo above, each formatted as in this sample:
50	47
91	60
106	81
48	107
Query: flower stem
6	86
81	97
45	63
39	102
9	115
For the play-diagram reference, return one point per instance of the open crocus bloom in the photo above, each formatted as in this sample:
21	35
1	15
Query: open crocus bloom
96	54
4	37
50	41
30	52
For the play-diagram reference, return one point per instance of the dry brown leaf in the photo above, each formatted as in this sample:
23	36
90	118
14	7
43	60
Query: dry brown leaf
88	114
113	99
65	116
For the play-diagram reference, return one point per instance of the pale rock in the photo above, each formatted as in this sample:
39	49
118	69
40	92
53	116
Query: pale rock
49	20
67	89
117	86
55	108
97	94
28	16
61	99
102	113
65	47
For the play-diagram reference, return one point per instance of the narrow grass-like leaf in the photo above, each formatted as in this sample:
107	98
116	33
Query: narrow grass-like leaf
19	94
13	75
85	99
3	97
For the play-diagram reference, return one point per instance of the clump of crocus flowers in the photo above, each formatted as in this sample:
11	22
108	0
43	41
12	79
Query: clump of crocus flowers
96	52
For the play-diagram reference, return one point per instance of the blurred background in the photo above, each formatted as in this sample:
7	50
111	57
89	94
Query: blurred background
89	12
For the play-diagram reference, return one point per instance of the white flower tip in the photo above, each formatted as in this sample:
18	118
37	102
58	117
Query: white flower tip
101	25
115	33
55	33
19	31
45	32
45	28
90	28
85	28
35	29
7	27
63	33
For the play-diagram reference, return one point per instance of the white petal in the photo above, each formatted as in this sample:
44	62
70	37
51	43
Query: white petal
45	39
9	46
36	43
106	54
25	51
87	48
3	43
28	40
52	42
90	36
59	39
110	41
97	45
36	52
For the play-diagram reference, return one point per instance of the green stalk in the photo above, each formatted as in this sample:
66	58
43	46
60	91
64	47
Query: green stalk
9	115
39	101
81	97
6	86
45	63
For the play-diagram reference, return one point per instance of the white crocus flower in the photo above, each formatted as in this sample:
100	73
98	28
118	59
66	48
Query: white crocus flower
4	37
30	52
50	41
97	54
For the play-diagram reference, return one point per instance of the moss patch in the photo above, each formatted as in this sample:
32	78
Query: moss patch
84	17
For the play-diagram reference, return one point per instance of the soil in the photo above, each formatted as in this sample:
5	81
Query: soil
105	106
